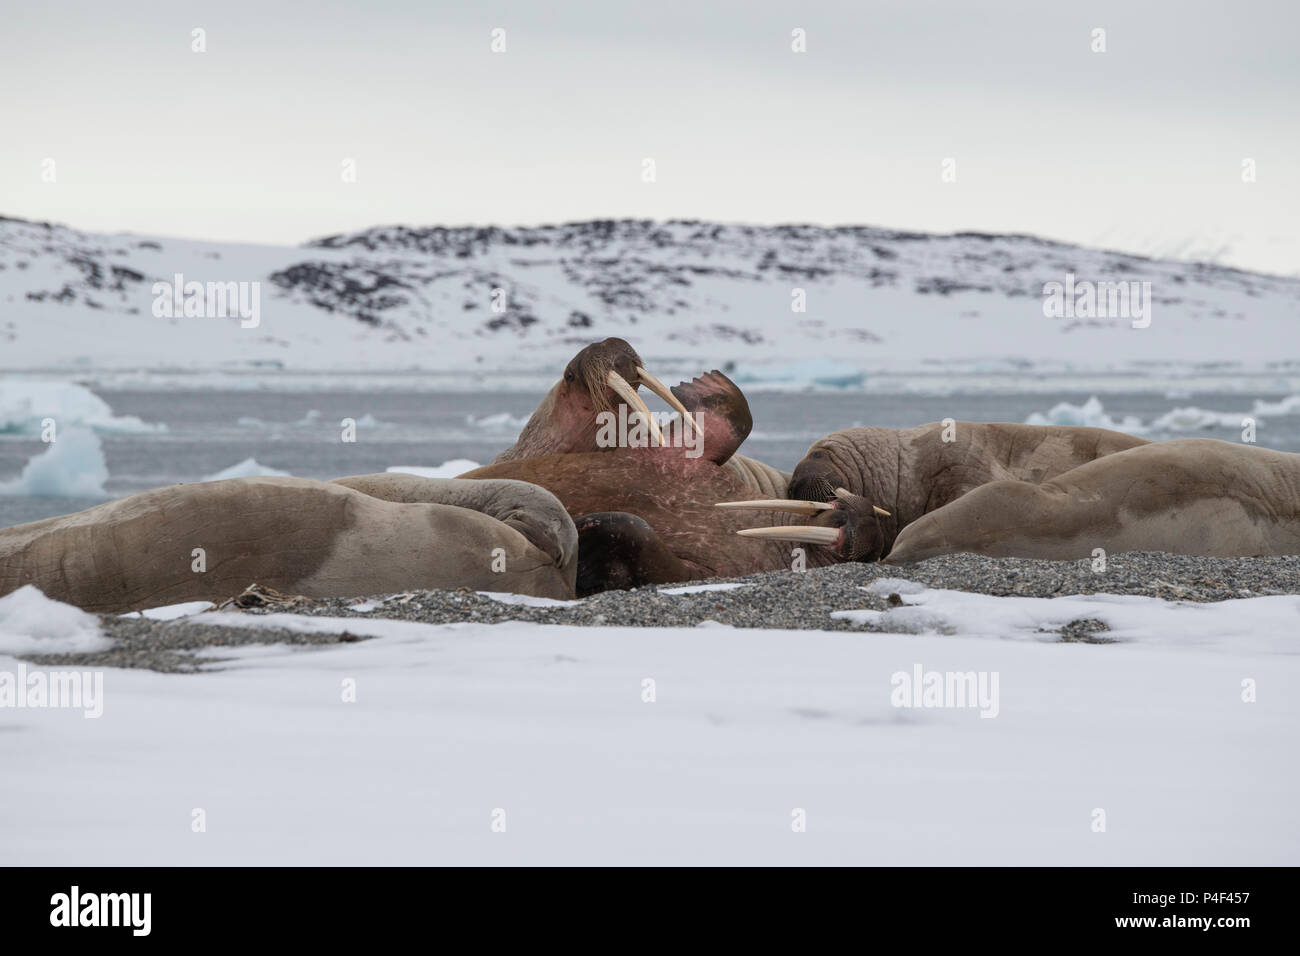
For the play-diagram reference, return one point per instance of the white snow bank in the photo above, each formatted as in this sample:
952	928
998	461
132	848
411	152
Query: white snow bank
552	730
31	623
26	403
448	469
248	468
1264	625
72	466
883	587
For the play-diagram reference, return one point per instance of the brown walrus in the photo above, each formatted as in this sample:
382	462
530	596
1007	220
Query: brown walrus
1193	496
596	381
355	536
910	472
1049	492
647	515
376	534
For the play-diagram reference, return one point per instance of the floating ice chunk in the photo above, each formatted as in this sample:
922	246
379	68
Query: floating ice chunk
248	468
1287	406
827	373
73	466
26	403
499	422
1192	418
448	469
1091	414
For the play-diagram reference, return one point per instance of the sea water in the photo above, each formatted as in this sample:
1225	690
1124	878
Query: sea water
302	432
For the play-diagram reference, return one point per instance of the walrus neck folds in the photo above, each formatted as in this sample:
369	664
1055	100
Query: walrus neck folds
543	434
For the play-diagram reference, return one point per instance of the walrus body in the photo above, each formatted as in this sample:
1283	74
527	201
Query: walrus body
1192	496
371	534
649	516
374	534
912	472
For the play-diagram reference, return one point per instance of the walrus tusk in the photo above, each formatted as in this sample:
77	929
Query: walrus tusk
780	504
805	533
660	389
845	494
619	384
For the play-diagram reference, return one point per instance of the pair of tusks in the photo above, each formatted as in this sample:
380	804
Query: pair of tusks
619	384
806	534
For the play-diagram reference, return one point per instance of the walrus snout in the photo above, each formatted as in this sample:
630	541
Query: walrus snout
816	477
849	526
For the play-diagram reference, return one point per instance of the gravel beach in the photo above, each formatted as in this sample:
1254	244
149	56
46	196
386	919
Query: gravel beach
775	599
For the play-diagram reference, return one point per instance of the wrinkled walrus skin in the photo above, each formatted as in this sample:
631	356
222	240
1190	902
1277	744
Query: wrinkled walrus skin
374	534
1194	496
911	472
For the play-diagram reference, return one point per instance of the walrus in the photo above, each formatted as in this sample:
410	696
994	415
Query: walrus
373	534
594	382
908	473
647	515
1195	496
354	536
600	377
1049	492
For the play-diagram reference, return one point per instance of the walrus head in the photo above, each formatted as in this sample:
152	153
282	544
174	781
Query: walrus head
817	476
598	379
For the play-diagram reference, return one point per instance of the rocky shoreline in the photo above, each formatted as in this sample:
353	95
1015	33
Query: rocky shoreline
775	599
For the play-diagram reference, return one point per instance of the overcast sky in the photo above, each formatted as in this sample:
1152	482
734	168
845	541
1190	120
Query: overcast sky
1140	147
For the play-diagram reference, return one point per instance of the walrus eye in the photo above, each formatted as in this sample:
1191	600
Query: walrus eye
568	376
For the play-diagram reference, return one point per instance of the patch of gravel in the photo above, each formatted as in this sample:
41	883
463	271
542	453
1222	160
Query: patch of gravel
774	599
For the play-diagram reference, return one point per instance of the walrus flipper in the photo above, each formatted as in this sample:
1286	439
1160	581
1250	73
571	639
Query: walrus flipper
722	411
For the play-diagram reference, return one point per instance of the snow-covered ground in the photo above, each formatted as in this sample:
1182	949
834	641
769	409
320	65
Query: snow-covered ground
877	305
455	730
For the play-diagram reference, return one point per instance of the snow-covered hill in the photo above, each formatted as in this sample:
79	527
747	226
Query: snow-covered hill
878	302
